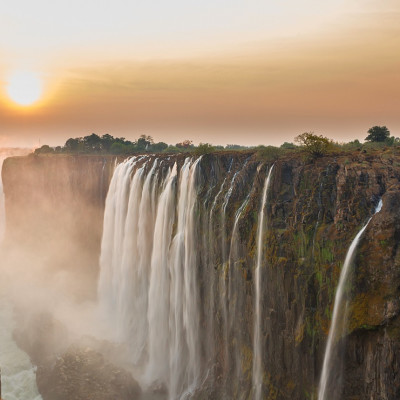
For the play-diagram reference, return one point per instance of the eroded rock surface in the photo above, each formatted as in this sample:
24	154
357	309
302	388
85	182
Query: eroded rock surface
80	374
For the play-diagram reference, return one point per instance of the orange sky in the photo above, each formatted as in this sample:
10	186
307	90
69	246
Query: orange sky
338	78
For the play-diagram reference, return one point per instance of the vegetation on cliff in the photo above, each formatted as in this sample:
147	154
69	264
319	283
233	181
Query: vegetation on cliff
308	144
107	144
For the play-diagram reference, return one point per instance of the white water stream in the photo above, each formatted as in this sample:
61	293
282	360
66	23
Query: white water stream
257	346
339	317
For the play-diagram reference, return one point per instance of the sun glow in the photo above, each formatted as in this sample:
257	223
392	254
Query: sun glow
24	87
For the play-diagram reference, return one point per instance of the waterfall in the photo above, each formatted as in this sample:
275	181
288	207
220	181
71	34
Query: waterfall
257	345
148	285
184	314
233	292
159	287
339	317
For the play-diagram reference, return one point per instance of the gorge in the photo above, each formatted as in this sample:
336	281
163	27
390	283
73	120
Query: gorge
18	373
214	276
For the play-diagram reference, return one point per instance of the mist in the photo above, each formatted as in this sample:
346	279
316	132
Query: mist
49	264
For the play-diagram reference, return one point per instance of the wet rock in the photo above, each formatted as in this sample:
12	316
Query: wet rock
83	374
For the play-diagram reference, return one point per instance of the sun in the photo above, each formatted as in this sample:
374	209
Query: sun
24	87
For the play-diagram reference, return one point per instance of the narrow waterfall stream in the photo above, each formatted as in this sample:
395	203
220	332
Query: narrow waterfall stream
339	318
257	358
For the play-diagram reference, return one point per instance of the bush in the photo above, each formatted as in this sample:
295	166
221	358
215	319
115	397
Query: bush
269	153
390	141
204	148
172	149
351	146
288	146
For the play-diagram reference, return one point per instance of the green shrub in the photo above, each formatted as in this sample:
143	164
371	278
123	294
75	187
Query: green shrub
269	153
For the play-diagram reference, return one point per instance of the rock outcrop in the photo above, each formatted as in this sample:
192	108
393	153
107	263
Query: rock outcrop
84	374
70	367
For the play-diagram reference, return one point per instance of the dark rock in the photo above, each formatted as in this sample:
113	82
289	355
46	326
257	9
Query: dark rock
83	374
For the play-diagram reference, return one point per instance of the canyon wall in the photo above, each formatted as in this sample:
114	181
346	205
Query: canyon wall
313	212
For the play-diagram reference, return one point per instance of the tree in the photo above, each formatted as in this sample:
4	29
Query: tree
378	134
158	147
144	142
235	147
106	142
72	144
204	148
314	145
92	142
117	148
186	144
45	149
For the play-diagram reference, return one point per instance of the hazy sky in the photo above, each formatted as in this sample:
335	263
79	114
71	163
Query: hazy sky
217	70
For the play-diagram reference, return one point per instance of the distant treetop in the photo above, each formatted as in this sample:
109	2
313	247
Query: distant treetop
107	144
378	134
314	145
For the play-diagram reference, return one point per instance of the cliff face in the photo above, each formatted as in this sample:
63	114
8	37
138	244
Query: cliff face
313	212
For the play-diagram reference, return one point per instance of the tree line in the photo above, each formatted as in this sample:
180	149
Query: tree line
310	143
107	144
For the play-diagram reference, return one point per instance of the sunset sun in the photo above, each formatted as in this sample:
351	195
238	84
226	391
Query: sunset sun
24	87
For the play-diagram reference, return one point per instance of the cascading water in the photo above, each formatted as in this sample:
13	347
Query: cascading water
257	346
227	197
18	374
184	313
148	285
159	289
233	292
339	317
